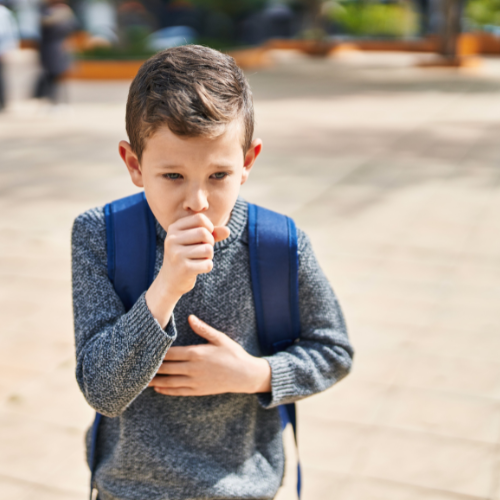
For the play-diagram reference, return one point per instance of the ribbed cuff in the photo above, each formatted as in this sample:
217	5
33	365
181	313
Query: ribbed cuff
283	384
152	336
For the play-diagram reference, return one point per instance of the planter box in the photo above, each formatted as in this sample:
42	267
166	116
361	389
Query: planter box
126	70
313	47
104	70
484	43
468	44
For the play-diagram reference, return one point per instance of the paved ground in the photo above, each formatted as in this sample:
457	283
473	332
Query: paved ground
393	171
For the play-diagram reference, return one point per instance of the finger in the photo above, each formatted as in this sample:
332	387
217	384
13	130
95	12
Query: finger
210	334
179	354
221	233
203	251
194	236
170	381
177	391
201	266
174	368
196	220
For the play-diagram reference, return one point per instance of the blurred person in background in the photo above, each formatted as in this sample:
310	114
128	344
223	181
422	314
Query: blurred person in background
57	23
9	40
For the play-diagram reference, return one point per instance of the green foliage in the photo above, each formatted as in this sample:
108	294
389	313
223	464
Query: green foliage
481	12
113	53
374	19
132	46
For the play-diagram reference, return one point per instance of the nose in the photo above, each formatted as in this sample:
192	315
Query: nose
196	200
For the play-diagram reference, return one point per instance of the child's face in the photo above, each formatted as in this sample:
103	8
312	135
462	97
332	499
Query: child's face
183	176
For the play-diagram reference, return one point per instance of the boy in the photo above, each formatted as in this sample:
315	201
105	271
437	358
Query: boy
189	403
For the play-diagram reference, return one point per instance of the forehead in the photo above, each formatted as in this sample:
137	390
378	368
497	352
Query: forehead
225	143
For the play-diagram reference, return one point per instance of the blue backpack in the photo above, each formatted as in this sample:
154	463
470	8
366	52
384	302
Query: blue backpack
272	238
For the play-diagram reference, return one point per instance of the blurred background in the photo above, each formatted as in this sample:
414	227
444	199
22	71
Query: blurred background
380	122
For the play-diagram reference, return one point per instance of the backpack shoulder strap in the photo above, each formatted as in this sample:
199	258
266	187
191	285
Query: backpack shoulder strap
131	249
131	236
274	265
272	239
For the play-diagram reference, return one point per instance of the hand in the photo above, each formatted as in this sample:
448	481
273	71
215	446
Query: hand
189	250
218	367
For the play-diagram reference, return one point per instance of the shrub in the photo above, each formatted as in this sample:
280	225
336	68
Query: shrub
483	12
374	19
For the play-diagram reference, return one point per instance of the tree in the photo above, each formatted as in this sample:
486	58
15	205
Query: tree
451	15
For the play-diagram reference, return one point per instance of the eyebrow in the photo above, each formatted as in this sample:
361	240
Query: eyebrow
221	166
173	166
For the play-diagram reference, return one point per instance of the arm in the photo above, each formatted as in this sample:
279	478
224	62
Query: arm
323	355
117	353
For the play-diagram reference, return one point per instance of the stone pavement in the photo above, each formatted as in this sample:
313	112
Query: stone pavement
392	171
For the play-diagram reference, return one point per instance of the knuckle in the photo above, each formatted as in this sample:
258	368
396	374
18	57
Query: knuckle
208	250
205	266
175	253
195	354
201	233
189	267
169	243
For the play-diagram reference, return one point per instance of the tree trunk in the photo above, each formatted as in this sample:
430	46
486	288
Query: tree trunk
313	14
450	27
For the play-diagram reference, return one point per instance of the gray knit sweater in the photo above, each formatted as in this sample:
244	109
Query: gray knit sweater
228	446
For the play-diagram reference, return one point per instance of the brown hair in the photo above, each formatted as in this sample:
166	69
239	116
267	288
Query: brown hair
194	90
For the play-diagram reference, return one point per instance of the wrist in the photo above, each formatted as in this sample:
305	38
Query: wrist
261	376
161	301
164	289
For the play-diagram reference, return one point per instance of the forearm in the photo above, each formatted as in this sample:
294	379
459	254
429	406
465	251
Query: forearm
305	369
116	362
117	352
323	355
161	300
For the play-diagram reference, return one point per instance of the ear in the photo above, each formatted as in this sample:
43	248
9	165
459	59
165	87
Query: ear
250	157
132	162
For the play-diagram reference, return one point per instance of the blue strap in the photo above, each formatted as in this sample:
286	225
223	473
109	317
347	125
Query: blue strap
274	263
130	235
288	414
93	446
272	239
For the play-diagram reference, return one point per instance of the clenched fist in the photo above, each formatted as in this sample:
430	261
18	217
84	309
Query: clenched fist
189	250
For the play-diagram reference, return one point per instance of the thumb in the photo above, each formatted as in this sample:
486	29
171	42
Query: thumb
210	334
221	233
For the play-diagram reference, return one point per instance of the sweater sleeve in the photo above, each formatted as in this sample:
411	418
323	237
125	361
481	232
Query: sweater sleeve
117	353
323	355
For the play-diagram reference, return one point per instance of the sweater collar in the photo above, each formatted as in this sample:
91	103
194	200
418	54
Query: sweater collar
237	225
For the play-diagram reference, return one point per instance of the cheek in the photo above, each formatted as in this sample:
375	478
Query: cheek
162	200
223	199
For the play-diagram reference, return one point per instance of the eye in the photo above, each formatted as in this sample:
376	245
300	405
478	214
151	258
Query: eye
219	175
172	177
